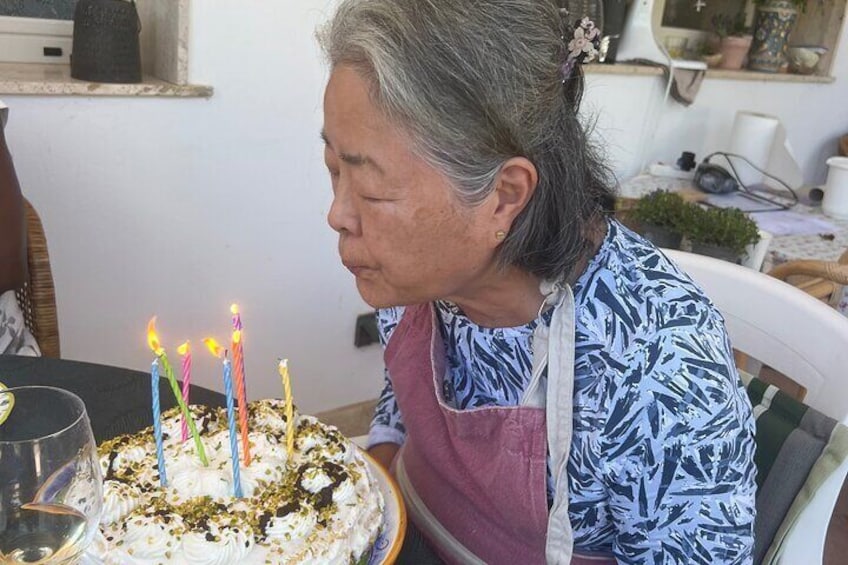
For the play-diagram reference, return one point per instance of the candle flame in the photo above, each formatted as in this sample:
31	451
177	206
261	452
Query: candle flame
234	309
153	338
283	366
214	347
237	336
184	348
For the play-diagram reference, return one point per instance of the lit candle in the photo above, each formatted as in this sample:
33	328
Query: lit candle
238	365
153	342
157	425
218	351
237	327
283	368
185	351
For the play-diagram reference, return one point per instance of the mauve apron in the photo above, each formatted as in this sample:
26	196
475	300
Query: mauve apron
474	481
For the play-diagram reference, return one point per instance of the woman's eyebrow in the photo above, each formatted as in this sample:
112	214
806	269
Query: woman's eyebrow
355	159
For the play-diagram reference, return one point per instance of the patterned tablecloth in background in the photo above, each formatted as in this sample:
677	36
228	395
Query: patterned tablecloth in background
783	248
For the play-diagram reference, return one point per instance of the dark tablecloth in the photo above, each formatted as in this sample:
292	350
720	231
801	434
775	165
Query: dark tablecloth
118	400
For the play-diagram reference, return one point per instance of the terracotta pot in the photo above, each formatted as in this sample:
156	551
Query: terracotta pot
733	52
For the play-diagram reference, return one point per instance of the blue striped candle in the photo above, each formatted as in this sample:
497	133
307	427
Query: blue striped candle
157	424
231	420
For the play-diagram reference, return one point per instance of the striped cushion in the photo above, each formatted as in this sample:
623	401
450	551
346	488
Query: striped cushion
791	439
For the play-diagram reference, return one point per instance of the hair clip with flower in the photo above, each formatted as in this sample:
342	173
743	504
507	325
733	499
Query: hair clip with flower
582	47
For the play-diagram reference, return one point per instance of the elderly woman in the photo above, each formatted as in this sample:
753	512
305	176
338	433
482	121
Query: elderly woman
556	388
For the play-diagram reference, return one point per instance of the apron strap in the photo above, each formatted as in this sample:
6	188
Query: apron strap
559	419
554	348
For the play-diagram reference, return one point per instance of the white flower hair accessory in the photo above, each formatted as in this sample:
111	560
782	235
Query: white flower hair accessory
582	47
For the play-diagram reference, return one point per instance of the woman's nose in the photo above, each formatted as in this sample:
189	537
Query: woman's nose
342	216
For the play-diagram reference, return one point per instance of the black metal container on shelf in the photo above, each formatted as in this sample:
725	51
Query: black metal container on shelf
615	12
575	10
106	41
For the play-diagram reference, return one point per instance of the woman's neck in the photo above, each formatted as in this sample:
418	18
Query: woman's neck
506	299
511	297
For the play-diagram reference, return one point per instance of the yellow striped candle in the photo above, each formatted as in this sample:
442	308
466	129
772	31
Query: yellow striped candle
283	368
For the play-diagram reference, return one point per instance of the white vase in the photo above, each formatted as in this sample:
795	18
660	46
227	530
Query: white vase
835	201
755	254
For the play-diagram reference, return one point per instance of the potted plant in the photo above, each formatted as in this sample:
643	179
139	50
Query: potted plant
724	233
659	217
773	22
734	40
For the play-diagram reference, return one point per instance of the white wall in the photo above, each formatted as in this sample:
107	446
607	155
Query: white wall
815	116
179	207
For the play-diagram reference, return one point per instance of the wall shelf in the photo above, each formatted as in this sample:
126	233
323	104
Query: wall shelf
164	56
645	70
55	80
819	24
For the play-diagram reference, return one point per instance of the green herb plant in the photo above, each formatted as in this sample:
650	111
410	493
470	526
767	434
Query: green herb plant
722	227
660	208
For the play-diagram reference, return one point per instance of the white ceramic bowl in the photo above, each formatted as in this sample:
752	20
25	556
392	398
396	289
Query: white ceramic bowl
803	59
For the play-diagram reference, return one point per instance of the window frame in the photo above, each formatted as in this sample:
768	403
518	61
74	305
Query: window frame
24	40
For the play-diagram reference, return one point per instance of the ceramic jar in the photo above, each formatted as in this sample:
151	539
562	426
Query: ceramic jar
774	22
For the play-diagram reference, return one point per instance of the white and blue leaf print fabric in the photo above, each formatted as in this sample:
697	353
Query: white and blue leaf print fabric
661	468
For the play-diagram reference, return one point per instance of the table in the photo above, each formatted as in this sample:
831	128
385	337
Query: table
782	248
118	400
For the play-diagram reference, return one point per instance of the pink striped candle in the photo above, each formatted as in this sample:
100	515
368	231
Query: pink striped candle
185	351
156	347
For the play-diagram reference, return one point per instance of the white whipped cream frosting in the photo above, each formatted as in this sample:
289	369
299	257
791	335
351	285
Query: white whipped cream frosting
150	537
294	526
137	536
218	546
314	479
119	499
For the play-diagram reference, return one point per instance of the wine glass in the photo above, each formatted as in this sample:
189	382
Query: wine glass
51	491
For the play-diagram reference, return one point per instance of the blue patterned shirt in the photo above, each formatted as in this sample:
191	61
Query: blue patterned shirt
661	468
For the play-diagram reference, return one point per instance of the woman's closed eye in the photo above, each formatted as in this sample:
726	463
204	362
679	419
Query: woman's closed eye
375	194
376	199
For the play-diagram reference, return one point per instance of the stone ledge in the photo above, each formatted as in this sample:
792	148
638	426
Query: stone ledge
55	80
646	70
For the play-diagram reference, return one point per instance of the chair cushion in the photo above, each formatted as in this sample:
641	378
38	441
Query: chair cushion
15	339
797	449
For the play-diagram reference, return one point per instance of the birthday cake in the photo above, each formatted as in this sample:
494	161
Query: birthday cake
320	504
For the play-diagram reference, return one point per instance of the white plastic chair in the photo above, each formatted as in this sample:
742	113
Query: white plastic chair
802	338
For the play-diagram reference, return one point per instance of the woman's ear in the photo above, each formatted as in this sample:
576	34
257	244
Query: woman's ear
514	186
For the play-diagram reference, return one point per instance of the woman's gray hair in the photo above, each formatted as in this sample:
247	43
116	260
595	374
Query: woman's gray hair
475	83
